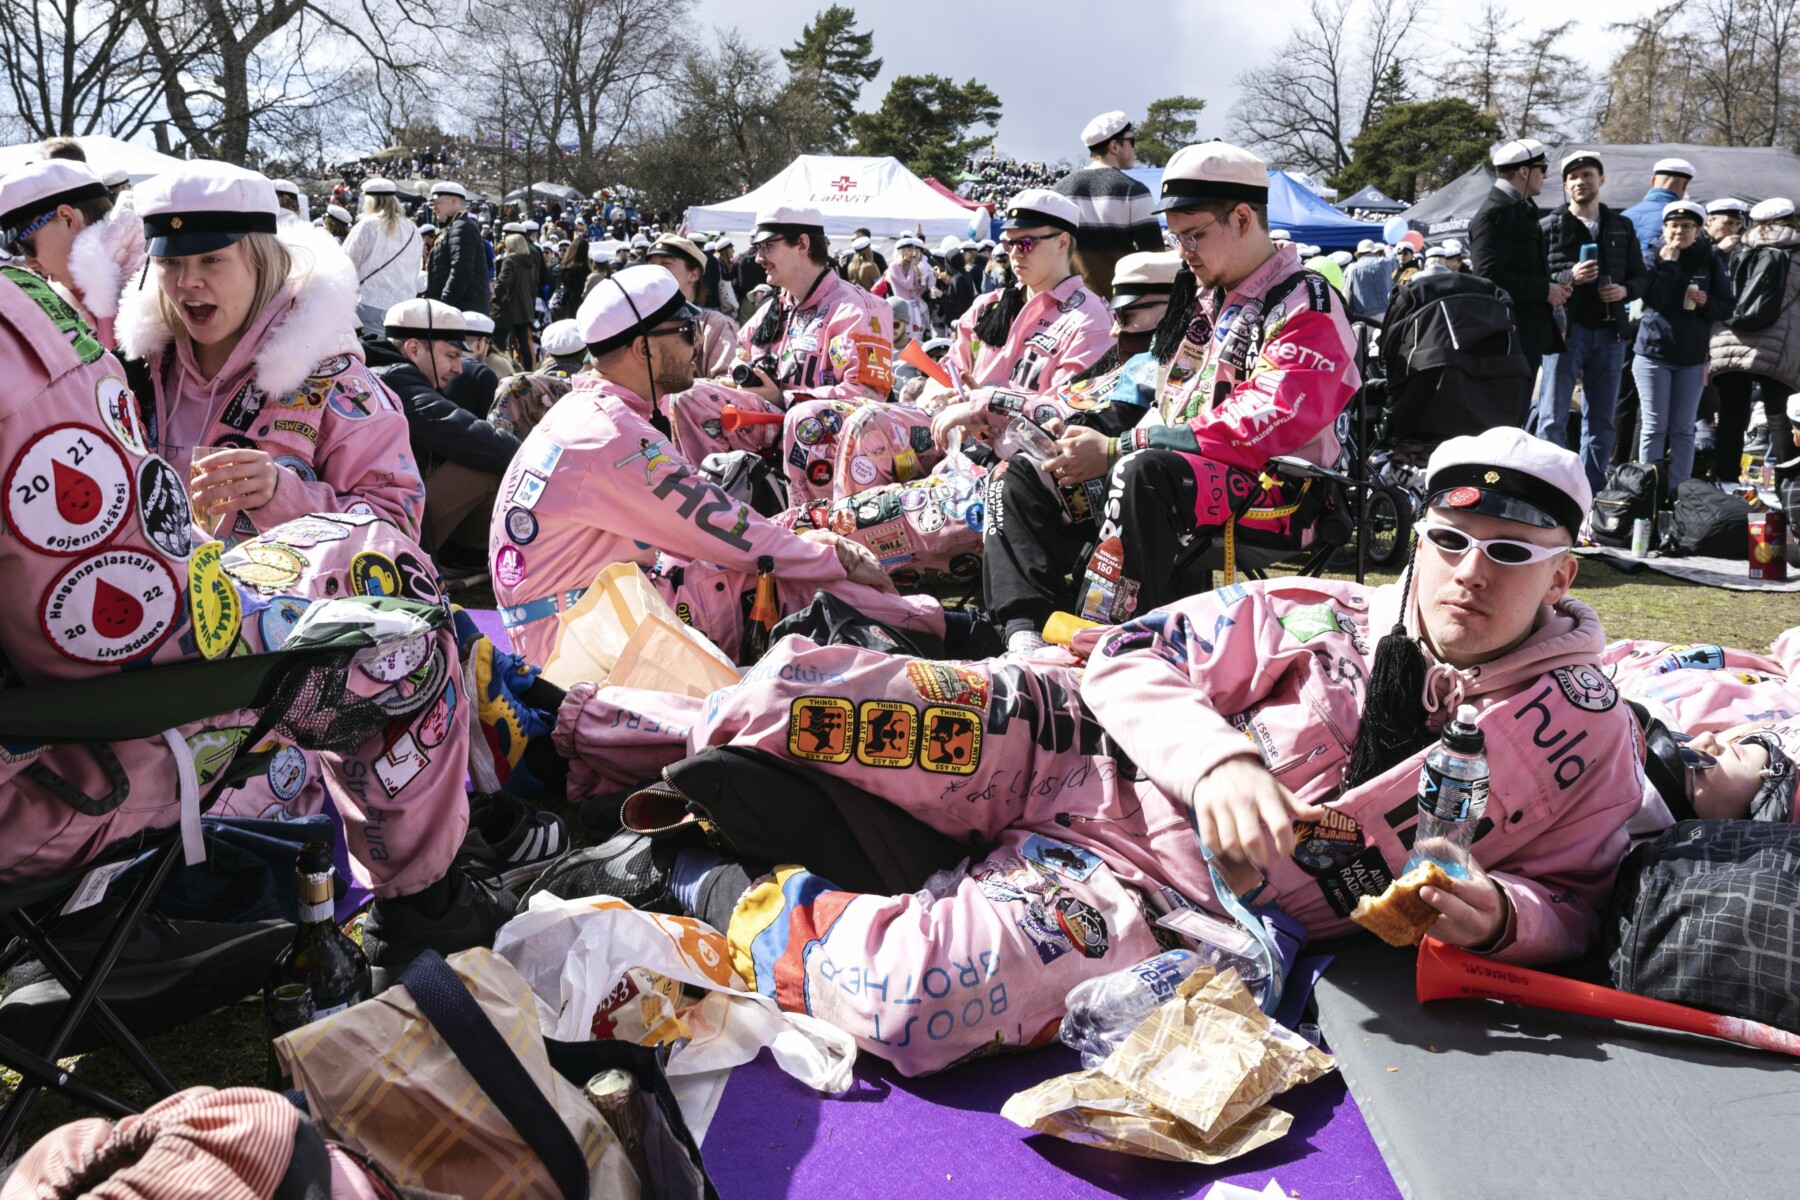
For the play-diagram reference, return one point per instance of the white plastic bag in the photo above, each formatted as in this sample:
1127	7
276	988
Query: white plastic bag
573	953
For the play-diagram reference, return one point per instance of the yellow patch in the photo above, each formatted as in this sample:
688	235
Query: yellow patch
819	729
887	733
951	741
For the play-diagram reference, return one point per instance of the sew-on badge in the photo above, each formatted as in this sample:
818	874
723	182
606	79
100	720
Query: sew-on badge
863	470
418	689
1327	845
307	532
112	607
119	413
521	526
819	473
299	466
1463	497
163	508
68	490
278	618
529	490
401	765
351	404
843	522
374	574
265	567
950	741
417	579
509	566
214	605
434	726
808	431
356	516
1082	923
887	733
213	750
390	664
543	457
1071	862
819	728
287	773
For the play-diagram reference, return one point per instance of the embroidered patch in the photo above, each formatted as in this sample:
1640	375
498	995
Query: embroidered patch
120	414
819	473
287	773
521	526
307	532
863	470
264	566
928	520
434	726
1305	624
529	490
417	578
299	466
213	749
374	574
112	607
1083	925
303	429
943	683
1044	932
543	456
887	733
509	566
278	618
68	490
214	605
1586	687
390	664
685	614
889	542
975	515
352	404
819	729
951	741
401	764
1071	862
163	508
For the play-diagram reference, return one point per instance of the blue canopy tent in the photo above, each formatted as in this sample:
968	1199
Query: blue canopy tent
1291	207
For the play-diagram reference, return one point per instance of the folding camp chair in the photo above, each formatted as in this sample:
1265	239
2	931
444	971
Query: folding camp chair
297	691
1318	509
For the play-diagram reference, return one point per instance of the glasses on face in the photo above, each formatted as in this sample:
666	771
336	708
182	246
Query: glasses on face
1694	760
1191	241
1023	245
684	330
1129	139
1506	552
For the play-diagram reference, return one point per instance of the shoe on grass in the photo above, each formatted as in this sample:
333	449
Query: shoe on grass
512	839
395	932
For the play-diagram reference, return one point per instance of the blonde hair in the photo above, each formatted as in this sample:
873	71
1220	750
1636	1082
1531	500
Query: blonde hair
271	261
516	244
386	206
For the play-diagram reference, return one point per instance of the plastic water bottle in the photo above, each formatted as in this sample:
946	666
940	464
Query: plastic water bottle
1103	1011
1453	793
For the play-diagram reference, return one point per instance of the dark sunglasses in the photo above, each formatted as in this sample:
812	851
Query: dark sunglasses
1692	759
1024	245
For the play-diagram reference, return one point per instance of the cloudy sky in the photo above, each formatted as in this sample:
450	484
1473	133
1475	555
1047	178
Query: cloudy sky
1055	63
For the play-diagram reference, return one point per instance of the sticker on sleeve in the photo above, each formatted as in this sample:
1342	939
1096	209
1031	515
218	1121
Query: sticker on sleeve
307	532
390	664
521	526
509	566
68	490
374	574
213	602
887	733
264	566
1083	925
863	470
529	490
819	729
401	765
417	578
119	412
950	742
287	773
278	618
163	508
1071	862
112	607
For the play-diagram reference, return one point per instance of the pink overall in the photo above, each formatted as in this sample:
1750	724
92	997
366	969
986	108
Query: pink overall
695	415
1056	336
839	347
107	571
1072	791
596	484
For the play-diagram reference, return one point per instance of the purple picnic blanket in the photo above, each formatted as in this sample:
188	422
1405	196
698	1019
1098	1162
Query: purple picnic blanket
893	1136
943	1135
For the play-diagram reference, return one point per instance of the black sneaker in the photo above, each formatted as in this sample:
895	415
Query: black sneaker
512	839
394	933
170	972
627	865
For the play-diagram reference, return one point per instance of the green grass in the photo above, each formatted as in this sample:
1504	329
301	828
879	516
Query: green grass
226	1049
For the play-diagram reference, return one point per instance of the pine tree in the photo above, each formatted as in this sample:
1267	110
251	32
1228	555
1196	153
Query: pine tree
834	58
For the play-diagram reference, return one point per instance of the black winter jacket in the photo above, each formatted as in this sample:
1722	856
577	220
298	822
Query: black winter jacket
457	273
440	430
1507	246
1621	262
1669	332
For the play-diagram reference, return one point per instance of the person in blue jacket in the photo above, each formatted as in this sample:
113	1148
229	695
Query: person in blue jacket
1669	180
1690	290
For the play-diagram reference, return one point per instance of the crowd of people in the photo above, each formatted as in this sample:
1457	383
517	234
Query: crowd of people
537	398
991	178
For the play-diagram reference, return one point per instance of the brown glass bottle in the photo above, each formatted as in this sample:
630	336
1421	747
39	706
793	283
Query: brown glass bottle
763	614
321	956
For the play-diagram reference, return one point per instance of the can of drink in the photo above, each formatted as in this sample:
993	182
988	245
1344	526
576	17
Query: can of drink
1640	537
615	1095
1768	546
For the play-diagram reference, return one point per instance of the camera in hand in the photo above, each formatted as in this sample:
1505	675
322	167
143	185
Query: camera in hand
745	375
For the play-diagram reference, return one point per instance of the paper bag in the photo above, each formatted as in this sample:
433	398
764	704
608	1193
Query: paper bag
596	631
660	657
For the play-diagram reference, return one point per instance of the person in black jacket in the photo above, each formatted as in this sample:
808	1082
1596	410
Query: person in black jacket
456	272
1689	292
955	291
460	457
1508	246
1597	330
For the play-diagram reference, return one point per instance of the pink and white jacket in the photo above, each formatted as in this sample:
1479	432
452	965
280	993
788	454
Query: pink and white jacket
295	387
1279	671
840	346
595	484
1298	373
1057	335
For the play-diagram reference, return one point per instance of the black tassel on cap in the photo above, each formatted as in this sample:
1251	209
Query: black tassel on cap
993	326
1184	293
773	322
1393	725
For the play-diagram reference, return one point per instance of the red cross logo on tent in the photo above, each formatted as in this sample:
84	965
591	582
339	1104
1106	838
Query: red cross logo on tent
843	183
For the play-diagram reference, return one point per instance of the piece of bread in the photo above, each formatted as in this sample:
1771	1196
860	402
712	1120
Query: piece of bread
1398	916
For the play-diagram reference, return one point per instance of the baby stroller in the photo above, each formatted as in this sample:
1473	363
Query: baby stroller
1445	363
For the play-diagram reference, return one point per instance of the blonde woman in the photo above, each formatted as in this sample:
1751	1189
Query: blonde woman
384	247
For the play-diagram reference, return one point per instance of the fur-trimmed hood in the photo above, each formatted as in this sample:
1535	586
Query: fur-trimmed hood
320	320
105	255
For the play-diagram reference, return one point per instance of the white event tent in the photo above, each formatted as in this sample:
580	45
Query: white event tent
877	194
104	154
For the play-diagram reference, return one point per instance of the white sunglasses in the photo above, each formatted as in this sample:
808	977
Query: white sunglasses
1507	552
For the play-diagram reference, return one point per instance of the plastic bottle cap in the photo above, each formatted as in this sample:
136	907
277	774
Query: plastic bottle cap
1462	735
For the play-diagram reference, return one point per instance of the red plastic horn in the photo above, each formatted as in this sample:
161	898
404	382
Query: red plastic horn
1447	973
736	418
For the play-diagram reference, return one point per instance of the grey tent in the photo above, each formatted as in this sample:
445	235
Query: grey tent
1371	199
547	191
1446	212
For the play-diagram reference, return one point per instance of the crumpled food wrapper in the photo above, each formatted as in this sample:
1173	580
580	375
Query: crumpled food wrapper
1191	1084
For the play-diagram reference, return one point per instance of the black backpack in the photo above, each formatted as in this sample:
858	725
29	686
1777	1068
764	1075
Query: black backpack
1630	495
1703	915
1759	277
1452	359
1709	523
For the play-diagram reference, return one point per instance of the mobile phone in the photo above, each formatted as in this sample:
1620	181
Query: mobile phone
1589	252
